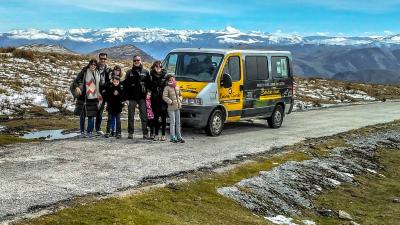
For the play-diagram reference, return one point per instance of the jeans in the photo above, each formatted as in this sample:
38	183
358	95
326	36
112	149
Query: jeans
99	116
114	123
90	125
175	124
142	113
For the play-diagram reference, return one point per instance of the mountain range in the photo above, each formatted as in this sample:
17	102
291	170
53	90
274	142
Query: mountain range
319	55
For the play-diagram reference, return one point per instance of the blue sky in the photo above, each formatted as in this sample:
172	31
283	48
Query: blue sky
306	17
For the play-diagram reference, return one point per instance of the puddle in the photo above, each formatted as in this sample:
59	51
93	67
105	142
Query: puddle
49	134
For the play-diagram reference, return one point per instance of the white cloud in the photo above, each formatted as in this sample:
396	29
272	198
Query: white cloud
128	5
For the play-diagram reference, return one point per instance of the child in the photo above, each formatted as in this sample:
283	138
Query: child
150	115
172	96
114	99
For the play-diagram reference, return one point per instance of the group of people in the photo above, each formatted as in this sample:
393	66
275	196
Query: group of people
98	87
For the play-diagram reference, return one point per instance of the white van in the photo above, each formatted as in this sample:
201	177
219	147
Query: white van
220	85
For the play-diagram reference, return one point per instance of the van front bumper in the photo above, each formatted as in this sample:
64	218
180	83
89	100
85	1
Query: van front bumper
196	116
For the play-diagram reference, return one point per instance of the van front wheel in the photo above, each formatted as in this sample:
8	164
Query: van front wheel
276	119
215	123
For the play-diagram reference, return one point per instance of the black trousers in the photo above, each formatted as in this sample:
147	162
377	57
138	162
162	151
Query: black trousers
160	120
142	113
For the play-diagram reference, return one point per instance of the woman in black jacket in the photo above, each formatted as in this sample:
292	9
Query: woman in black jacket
86	90
159	107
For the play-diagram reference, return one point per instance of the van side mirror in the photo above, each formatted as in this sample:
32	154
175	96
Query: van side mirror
226	81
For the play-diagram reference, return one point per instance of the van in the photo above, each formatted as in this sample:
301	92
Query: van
220	86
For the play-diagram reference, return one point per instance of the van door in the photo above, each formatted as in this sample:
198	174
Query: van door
283	79
232	98
259	92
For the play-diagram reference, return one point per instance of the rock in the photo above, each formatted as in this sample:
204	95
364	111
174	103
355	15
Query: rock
327	213
396	200
344	215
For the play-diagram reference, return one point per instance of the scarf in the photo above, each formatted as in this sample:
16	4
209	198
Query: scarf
92	84
172	83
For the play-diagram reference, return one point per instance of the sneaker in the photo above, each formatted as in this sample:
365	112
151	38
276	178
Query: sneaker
162	138
89	135
99	133
130	136
107	135
112	133
146	137
181	140
118	136
155	138
82	135
173	140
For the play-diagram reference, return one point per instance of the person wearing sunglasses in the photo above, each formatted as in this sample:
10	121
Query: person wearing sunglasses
135	85
159	106
105	78
86	89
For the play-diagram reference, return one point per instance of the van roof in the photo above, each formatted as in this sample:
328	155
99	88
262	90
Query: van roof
226	51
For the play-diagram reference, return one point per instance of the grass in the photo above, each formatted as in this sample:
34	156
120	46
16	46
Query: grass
55	98
49	123
194	202
370	202
10	139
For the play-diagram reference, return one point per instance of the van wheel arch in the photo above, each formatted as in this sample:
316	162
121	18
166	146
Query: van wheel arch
276	119
215	122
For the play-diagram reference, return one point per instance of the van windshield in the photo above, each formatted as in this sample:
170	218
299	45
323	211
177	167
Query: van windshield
200	67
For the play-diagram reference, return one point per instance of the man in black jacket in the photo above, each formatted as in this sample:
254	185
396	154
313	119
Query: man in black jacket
136	84
105	79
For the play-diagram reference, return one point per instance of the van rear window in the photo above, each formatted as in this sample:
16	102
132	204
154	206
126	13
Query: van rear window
279	66
256	68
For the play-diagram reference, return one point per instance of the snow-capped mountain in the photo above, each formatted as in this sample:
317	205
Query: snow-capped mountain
158	41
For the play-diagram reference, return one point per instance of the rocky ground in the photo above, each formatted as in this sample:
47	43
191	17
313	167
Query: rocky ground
290	188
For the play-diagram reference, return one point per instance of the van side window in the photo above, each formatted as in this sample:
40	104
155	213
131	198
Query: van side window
256	68
171	63
280	67
232	67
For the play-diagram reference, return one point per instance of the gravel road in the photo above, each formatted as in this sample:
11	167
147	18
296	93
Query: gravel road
38	175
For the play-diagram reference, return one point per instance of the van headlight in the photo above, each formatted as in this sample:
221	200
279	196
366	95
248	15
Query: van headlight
192	101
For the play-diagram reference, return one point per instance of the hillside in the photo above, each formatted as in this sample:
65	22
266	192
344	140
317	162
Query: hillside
47	48
124	52
370	76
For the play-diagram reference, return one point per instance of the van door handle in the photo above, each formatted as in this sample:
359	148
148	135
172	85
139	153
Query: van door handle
241	87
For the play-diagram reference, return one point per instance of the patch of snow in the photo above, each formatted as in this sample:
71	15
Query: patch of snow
281	220
52	110
372	171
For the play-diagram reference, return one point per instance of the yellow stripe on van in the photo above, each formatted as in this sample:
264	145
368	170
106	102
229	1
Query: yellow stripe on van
270	97
191	89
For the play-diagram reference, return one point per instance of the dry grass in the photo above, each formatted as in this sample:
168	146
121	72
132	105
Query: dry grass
54	98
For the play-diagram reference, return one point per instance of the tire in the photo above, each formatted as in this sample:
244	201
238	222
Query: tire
276	119
215	123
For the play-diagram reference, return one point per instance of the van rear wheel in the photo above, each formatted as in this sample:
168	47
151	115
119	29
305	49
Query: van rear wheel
276	119
215	123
